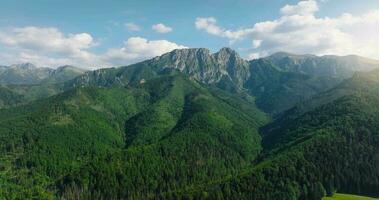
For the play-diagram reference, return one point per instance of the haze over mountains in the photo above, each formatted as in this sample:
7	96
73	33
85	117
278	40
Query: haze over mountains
192	124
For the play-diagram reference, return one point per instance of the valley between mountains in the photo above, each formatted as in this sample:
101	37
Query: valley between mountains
192	124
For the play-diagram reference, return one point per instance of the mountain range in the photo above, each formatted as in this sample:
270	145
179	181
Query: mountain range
28	74
192	124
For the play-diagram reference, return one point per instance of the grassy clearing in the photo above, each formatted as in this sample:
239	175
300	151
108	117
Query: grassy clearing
348	197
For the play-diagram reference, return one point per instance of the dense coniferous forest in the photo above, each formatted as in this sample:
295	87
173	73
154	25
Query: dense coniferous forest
194	125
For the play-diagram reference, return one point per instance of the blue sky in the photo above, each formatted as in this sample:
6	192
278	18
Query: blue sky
112	32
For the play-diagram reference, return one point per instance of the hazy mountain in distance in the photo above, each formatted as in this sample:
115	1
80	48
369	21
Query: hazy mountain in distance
64	73
29	74
329	65
25	73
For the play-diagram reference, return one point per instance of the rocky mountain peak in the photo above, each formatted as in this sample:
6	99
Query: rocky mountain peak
201	55
228	56
227	51
186	54
202	65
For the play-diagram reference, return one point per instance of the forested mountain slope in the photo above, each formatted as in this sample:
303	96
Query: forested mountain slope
159	136
191	125
332	147
276	90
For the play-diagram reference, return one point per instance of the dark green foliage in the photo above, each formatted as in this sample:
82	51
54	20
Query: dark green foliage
163	135
306	156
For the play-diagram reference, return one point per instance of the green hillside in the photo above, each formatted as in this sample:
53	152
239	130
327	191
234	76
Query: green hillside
166	134
333	147
190	125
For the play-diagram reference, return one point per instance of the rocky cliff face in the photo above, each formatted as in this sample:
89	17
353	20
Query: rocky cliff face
199	64
203	66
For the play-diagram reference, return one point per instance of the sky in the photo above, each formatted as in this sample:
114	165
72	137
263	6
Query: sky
98	33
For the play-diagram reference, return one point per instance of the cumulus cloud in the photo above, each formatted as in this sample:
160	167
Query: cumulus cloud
298	30
46	40
132	26
161	28
32	43
137	49
302	8
50	47
209	24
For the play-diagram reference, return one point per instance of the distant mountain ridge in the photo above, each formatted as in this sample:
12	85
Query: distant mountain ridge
27	73
328	65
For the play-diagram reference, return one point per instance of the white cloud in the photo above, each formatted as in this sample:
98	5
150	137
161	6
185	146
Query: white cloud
37	44
209	24
302	8
252	56
298	30
46	40
50	47
132	26
137	48
257	43
161	28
